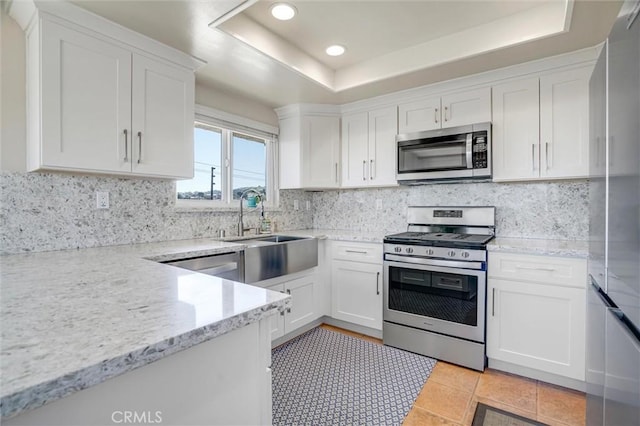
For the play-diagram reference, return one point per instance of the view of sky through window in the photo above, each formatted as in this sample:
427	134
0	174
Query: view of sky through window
248	164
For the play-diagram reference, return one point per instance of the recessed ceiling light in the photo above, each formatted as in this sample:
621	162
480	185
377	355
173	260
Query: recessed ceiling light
283	11
335	50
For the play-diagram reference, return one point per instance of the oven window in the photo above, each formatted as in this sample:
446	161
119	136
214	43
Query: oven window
445	296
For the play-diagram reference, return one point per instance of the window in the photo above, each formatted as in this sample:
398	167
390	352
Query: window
228	160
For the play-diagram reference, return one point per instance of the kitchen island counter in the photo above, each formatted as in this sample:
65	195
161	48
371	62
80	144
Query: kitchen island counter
75	318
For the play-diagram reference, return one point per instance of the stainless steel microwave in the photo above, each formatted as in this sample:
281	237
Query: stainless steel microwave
456	153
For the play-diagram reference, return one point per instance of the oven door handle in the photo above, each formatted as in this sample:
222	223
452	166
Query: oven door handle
469	150
433	262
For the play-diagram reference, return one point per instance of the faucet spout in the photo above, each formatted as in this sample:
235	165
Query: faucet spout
241	228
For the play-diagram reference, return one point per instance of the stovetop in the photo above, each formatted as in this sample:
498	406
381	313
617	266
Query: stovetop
441	239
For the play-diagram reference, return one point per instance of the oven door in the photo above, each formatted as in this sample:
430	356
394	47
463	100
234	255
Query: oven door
442	299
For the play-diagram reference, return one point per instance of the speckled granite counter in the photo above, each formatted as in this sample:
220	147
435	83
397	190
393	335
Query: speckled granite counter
72	319
338	235
565	248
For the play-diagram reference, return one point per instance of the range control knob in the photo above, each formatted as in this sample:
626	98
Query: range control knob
464	254
430	252
409	250
397	249
451	253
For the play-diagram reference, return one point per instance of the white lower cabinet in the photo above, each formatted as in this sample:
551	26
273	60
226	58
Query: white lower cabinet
536	313
303	305
356	283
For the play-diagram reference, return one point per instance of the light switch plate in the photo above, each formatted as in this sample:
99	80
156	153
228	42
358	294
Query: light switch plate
378	204
296	205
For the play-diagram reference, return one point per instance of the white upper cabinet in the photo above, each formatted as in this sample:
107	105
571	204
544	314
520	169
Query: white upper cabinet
162	124
540	127
456	109
369	148
104	104
309	147
564	124
515	130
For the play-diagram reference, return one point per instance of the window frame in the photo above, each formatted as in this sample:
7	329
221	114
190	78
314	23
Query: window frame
228	124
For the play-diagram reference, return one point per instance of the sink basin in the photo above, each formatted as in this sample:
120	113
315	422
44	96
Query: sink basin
276	255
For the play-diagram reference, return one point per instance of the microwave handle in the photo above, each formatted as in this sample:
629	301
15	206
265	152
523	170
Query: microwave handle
469	150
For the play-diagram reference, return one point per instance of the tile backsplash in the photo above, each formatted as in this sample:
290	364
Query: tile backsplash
548	210
53	211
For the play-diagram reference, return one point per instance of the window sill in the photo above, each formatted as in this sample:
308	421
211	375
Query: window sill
223	209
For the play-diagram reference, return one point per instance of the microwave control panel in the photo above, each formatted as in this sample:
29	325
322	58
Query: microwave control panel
480	150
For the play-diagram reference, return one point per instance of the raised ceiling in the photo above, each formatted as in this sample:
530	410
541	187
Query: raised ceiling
391	45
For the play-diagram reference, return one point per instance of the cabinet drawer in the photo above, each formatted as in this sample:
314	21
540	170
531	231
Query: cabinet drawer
544	269
358	252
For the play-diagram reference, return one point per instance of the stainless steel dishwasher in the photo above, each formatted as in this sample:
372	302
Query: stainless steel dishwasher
223	265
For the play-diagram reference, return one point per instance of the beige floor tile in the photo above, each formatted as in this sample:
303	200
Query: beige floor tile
444	401
549	421
419	417
564	405
508	389
454	376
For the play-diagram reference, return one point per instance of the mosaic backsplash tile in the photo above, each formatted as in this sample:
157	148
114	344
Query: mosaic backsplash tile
52	211
548	210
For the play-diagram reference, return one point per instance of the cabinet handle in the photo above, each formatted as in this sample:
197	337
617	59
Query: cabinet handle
126	146
364	166
336	172
371	170
546	154
533	157
377	282
139	147
436	115
535	268
493	302
356	251
289	293
446	109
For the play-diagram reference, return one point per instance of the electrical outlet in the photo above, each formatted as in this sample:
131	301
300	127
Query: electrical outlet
296	205
102	200
378	204
308	205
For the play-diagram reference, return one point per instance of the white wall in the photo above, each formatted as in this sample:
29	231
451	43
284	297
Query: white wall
13	96
218	99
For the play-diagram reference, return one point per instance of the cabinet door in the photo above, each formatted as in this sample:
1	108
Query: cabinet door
163	104
537	326
383	128
357	293
419	115
320	151
302	302
516	130
86	102
276	322
355	137
564	124
460	109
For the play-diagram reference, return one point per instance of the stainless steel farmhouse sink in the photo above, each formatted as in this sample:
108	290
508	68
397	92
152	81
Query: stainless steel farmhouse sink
263	257
277	255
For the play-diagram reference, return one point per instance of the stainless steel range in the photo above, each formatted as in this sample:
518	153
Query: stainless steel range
435	284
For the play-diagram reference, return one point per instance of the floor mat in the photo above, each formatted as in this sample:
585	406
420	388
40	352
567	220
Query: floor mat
328	378
486	415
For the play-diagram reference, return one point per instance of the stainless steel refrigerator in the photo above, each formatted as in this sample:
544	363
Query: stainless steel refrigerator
613	305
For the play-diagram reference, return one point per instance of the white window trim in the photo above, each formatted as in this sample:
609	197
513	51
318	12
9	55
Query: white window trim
235	123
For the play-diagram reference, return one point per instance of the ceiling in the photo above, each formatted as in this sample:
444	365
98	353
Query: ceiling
391	45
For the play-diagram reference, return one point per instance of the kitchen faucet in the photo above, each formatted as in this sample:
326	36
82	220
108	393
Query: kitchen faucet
241	227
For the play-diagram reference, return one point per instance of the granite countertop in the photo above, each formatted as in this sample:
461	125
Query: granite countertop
564	248
72	319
